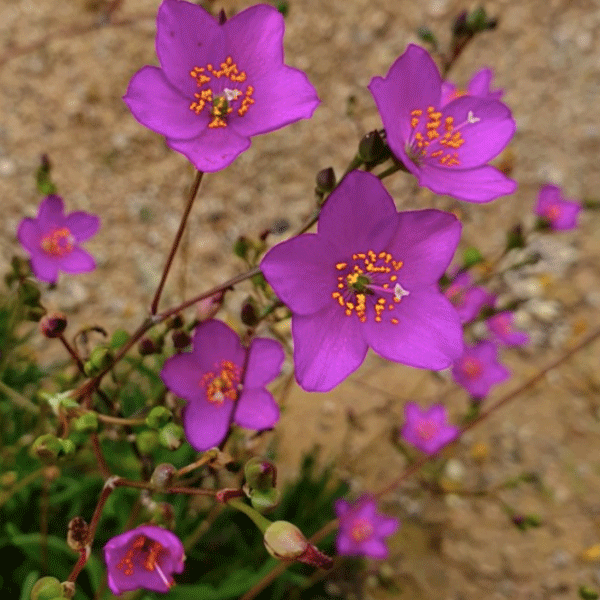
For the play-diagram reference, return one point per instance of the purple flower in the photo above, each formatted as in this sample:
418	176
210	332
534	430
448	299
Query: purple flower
362	530
445	147
560	214
478	369
467	298
479	86
53	238
223	382
144	557
218	84
427	430
502	329
368	278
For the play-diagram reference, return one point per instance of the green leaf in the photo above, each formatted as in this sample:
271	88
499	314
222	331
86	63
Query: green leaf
28	584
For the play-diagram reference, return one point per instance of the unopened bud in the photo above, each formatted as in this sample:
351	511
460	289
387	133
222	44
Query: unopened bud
477	20
372	148
51	473
181	339
46	588
171	436
146	346
459	27
68	589
208	307
241	247
146	441
100	357
8	479
86	422
158	416
30	293
163	475
47	447
164	515
284	541
260	474
35	313
176	322
266	501
325	180
249	313
77	534
53	324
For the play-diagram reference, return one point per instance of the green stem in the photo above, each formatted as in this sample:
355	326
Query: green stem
19	399
261	522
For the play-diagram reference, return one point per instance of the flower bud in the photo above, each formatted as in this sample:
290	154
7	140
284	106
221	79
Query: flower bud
86	422
158	416
100	357
266	501
325	180
46	588
147	346
163	475
241	247
459	27
284	541
164	515
47	447
181	339
53	324
35	313
208	307
260	474
77	534
372	148
249	313
171	436
68	589
146	441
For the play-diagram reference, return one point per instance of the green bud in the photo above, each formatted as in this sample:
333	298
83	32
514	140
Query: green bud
163	475
515	238
426	35
265	502
68	446
477	20
283	6
146	441
533	520
119	339
171	436
158	416
100	357
86	422
241	247
47	447
588	593
284	541
471	257
260	474
46	588
59	400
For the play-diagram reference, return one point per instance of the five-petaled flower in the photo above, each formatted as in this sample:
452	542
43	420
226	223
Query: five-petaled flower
479	86
468	299
143	558
558	213
368	278
362	530
445	147
427	430
218	84
52	239
501	327
223	382
478	369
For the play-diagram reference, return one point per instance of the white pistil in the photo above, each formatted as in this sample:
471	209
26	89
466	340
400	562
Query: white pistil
231	94
471	118
163	576
400	292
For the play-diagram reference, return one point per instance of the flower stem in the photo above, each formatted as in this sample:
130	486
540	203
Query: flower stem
73	353
206	457
261	522
19	399
176	241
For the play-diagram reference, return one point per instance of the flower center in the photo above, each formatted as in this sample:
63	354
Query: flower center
59	242
436	137
220	101
361	530
456	294
427	429
471	367
501	324
144	552
552	212
369	284
222	383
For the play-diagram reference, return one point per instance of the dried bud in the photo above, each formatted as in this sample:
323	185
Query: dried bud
325	180
284	541
459	27
147	346
171	436
77	534
372	148
209	307
163	475
21	267
249	313
176	322
181	339
158	416
46	588
260	474
53	324
68	589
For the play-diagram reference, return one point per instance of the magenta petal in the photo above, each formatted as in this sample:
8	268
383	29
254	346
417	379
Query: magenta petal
76	261
474	185
374	548
45	269
206	424
156	104
82	225
425	241
301	270
265	358
386	526
214	341
428	334
182	375
341	507
256	409
51	212
328	346
29	234
213	150
359	215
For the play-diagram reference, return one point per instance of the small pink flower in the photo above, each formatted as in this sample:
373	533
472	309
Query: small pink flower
502	328
52	239
467	298
362	530
143	558
427	430
560	214
479	86
478	369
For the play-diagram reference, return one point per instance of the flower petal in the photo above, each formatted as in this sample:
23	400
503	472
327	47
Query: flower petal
213	342
156	104
50	213
29	235
44	267
480	85
265	358
256	409
206	424
76	261
82	225
386	526
374	548
328	346
182	375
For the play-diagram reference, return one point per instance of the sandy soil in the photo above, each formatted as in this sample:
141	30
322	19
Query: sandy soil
62	79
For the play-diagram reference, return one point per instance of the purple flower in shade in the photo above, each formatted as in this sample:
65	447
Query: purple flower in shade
427	430
502	328
223	382
467	298
219	84
52	239
478	369
368	278
560	214
479	86
143	558
362	530
445	147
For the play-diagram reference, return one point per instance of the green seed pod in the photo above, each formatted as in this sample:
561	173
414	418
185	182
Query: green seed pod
171	436
47	588
284	541
47	447
265	502
158	416
146	441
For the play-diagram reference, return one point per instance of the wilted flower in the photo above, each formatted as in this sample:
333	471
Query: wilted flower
479	86
143	558
502	328
368	278
427	430
560	214
445	146
52	239
223	382
362	530
219	84
478	369
467	298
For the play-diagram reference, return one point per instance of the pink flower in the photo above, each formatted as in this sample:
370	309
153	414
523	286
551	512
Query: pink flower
143	558
219	84
479	86
362	530
467	298
223	382
52	239
558	213
427	430
478	369
502	329
445	146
